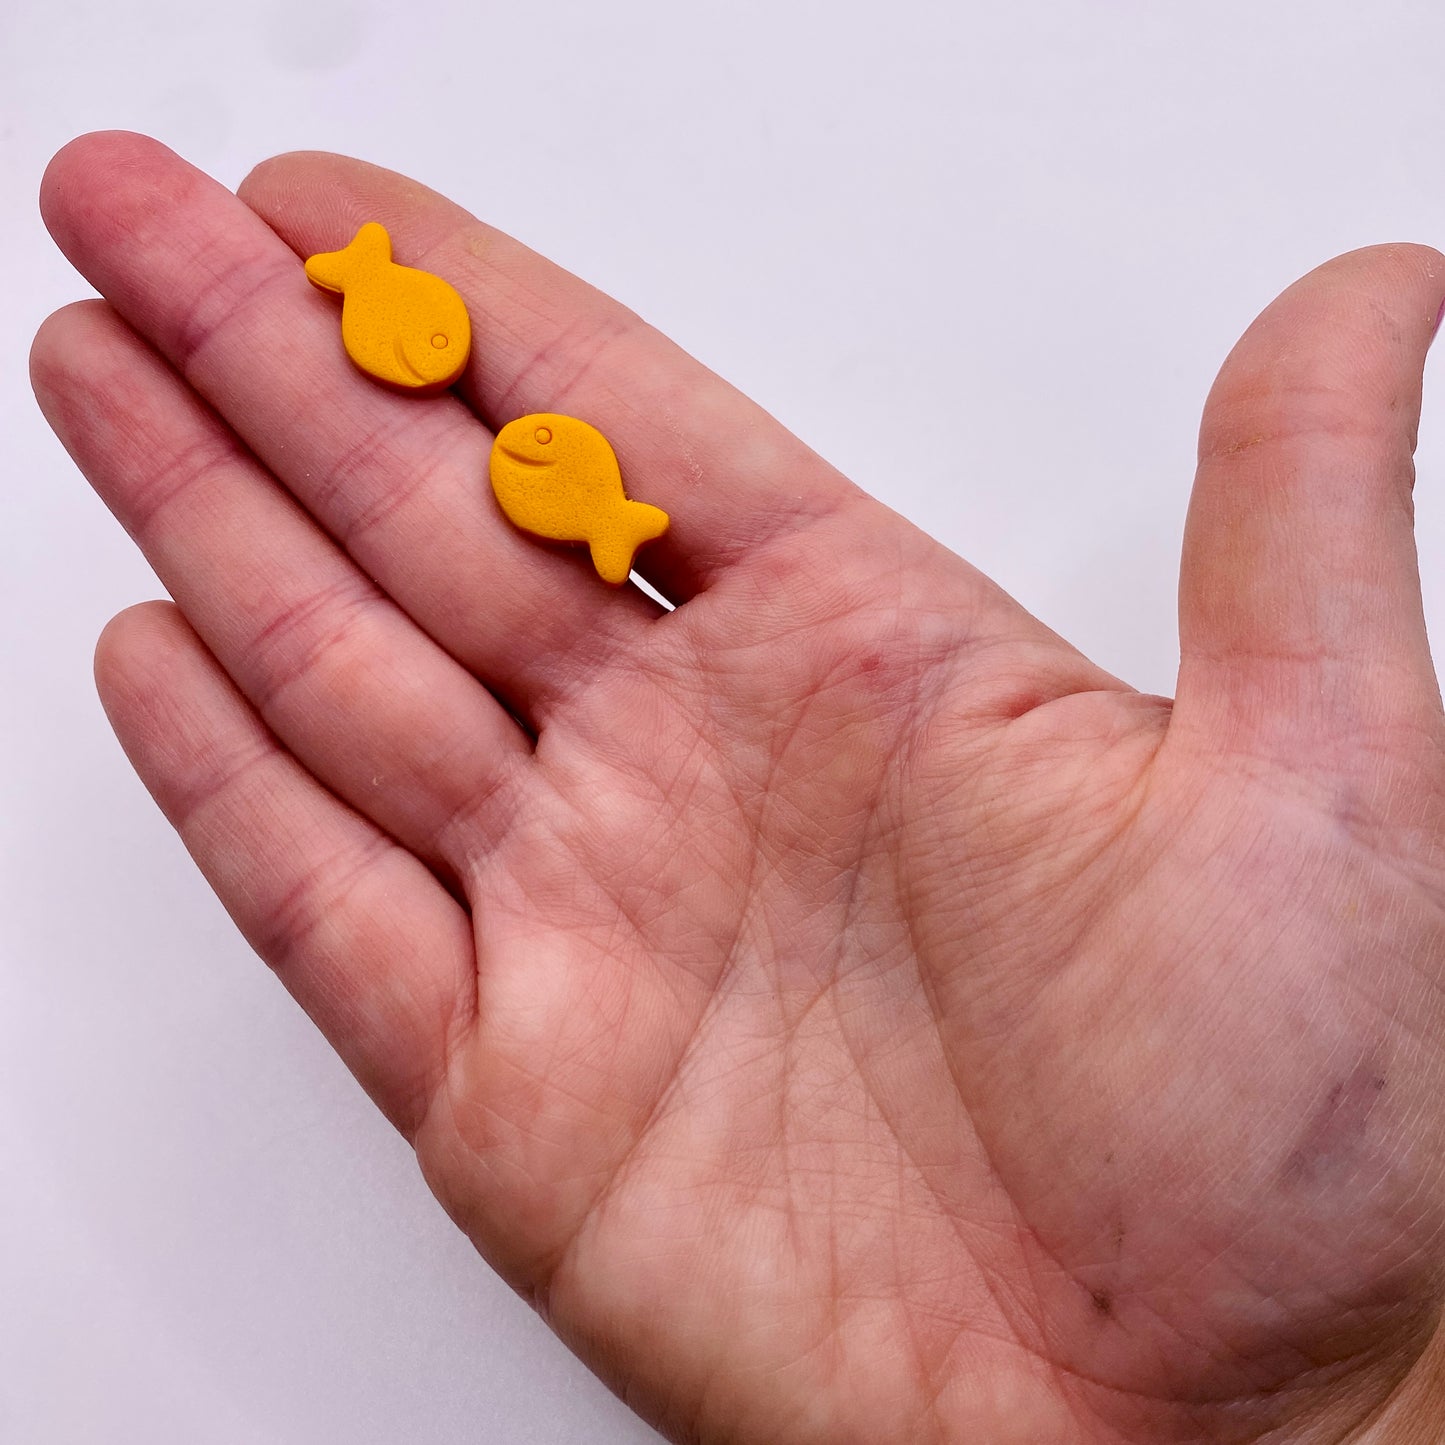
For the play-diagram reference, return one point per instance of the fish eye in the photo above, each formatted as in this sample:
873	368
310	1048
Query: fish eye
543	435
439	341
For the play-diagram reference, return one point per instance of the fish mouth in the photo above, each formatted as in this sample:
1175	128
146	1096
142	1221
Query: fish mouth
402	360
525	461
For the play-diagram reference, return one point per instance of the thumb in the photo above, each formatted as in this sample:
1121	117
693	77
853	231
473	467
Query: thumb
1300	618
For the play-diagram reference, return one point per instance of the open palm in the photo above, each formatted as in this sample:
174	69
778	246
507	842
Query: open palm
847	1012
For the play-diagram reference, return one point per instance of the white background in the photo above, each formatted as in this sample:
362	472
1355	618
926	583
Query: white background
987	258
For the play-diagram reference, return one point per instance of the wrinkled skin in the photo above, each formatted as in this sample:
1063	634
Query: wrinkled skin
847	1012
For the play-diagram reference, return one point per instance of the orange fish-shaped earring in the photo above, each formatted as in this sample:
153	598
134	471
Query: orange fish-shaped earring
558	478
404	326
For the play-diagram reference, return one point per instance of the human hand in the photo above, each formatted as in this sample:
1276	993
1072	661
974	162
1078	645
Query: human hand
844	1010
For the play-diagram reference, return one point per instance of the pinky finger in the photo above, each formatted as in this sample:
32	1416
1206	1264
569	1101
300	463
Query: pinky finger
362	934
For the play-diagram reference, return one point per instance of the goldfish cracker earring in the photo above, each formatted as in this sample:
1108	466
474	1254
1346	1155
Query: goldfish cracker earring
403	326
558	478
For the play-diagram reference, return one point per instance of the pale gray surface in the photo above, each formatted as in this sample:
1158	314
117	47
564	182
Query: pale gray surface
985	258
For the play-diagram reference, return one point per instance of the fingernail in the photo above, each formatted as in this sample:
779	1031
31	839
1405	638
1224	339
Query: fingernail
1439	317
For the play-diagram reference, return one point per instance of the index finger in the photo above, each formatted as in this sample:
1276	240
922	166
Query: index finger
730	476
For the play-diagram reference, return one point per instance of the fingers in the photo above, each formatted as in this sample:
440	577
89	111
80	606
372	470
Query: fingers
369	703
1300	615
399	481
361	934
729	476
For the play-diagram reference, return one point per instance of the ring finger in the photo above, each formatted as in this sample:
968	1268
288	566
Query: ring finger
373	707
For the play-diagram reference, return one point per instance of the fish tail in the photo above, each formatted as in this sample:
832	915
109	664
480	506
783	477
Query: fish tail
334	270
636	523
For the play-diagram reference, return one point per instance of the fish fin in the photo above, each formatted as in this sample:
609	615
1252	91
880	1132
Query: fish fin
371	245
613	552
369	249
